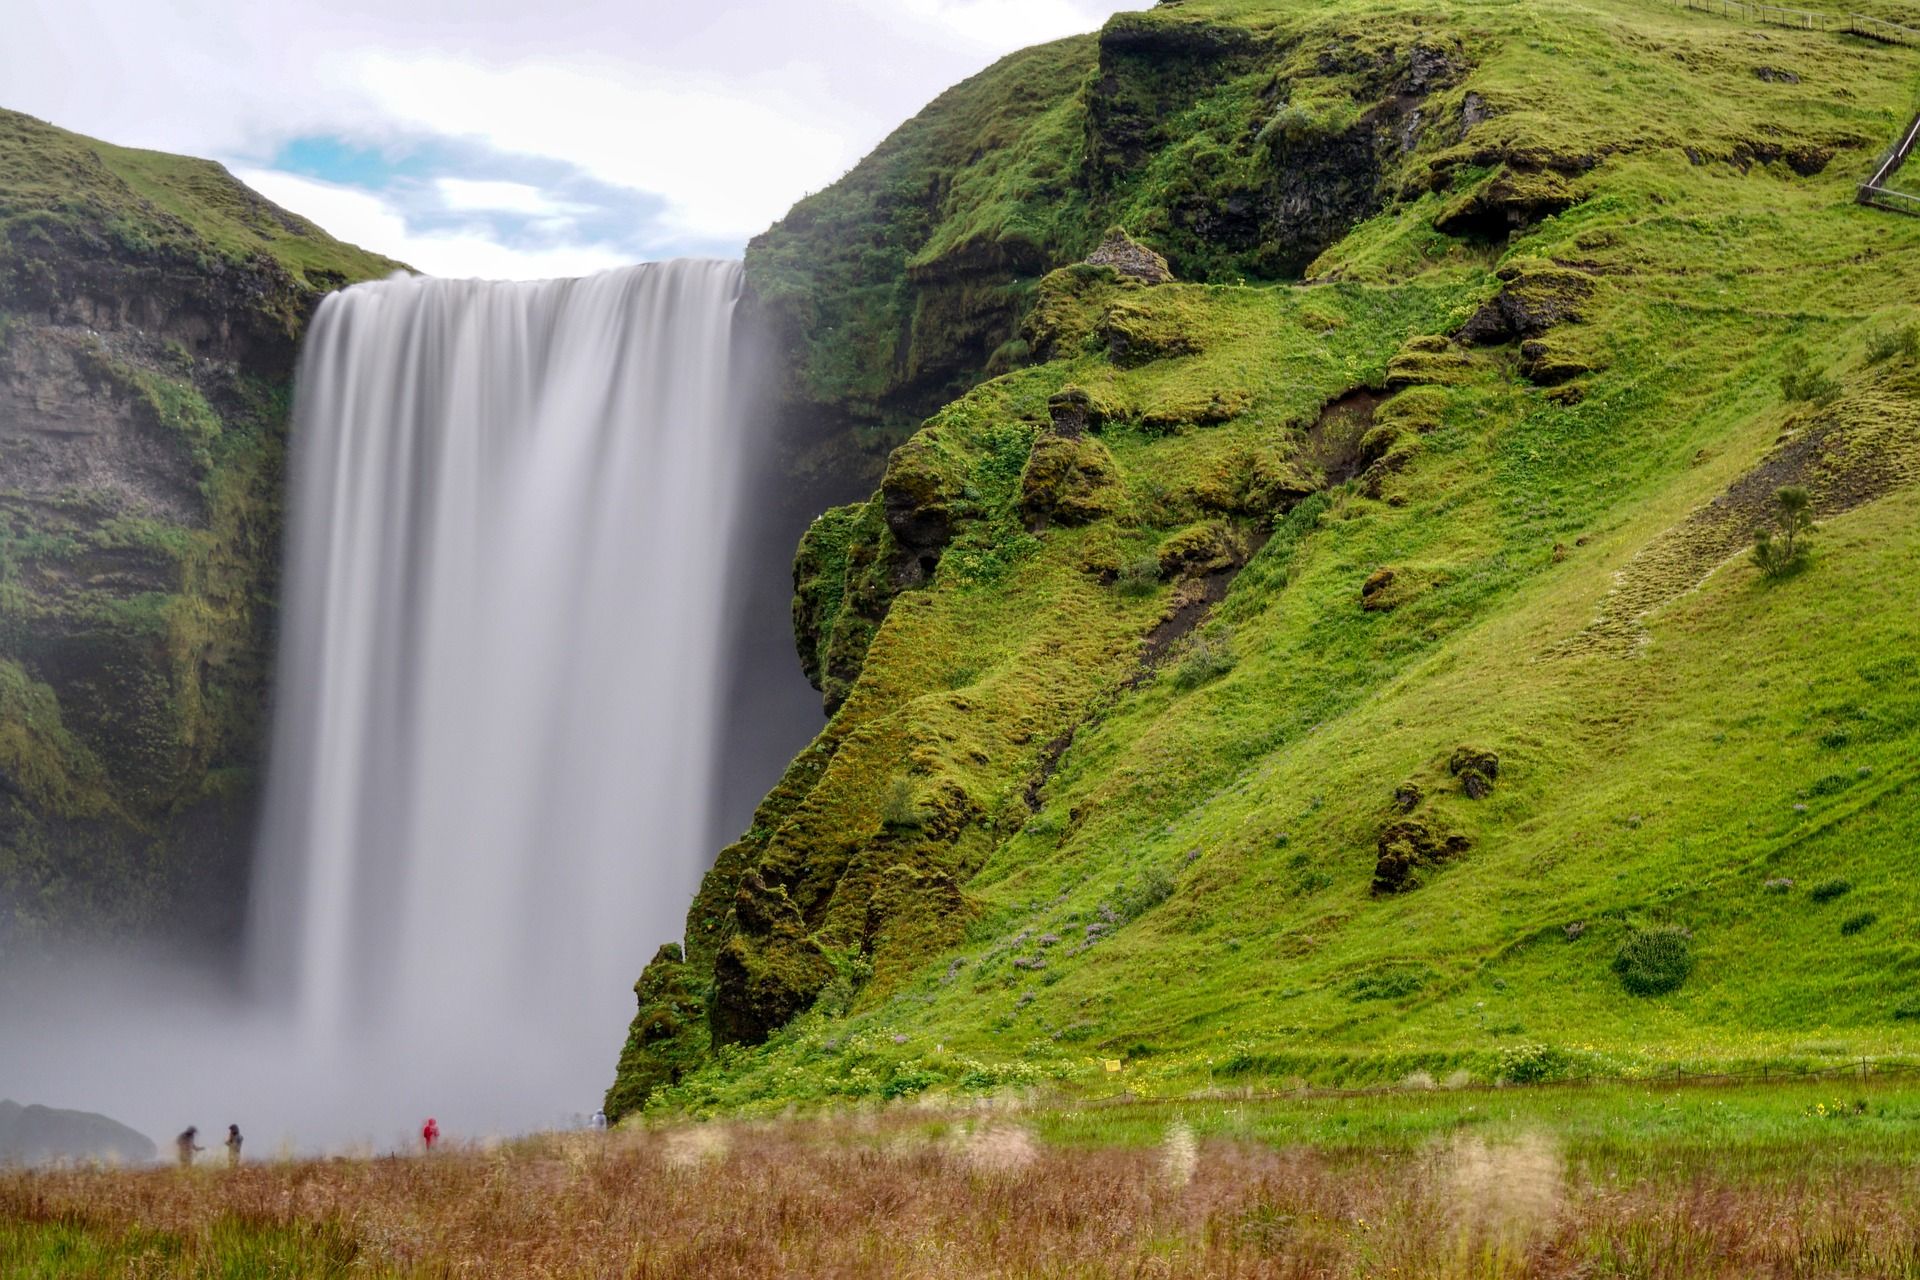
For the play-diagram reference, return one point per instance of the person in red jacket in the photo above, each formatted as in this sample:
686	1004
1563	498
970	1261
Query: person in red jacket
430	1132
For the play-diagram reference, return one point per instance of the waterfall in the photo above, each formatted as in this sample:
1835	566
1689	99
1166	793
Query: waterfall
493	744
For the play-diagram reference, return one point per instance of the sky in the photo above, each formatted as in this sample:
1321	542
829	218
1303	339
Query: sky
512	139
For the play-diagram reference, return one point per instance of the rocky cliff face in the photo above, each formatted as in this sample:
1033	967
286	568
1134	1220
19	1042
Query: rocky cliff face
149	311
1241	149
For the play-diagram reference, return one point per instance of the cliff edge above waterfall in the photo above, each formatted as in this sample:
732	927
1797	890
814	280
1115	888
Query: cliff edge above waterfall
1343	660
150	307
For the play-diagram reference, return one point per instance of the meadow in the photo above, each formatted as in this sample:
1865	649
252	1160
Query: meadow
1803	1179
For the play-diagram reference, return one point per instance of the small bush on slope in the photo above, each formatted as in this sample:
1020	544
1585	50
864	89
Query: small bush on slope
1655	961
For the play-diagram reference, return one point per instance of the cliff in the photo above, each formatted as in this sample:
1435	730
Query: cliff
1342	659
149	310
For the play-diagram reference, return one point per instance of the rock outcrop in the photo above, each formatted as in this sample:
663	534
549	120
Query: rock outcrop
1130	258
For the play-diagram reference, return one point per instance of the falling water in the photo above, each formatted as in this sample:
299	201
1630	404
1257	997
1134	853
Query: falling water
498	676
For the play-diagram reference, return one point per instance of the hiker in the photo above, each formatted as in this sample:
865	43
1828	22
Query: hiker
599	1121
430	1132
187	1146
233	1146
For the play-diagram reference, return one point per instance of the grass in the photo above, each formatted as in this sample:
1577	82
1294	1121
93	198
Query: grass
1680	1183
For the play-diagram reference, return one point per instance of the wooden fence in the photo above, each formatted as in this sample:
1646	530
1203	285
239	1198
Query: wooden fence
1774	15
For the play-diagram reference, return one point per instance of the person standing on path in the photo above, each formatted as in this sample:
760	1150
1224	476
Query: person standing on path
233	1146
430	1133
187	1146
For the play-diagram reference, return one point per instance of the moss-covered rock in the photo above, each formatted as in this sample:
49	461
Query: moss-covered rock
1550	364
1476	769
1067	305
1186	405
1416	410
769	970
1513	198
1534	297
668	1037
918	495
1428	361
1199	549
1408	847
1137	331
1259	483
1075	410
1069	481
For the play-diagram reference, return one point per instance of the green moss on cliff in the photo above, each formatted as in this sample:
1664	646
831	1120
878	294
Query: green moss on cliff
152	307
1238	148
1181	872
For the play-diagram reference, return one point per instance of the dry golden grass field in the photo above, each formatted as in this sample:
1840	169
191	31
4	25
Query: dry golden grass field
1801	1181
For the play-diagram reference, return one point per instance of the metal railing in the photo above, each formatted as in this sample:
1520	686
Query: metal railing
1875	191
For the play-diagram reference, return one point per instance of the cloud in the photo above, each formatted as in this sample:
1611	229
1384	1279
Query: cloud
367	219
999	25
727	162
500	138
482	195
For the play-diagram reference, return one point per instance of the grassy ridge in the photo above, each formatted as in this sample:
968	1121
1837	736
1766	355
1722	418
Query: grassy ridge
1536	550
58	186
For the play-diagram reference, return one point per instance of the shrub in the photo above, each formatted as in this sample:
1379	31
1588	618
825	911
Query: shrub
1240	1058
901	809
1389	982
1781	550
1854	924
904	1084
1903	342
1138	578
1294	123
1800	381
1531	1063
1828	890
1155	886
851	970
1207	659
1655	961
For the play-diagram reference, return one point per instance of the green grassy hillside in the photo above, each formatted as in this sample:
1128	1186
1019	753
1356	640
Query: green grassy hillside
1154	658
149	309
